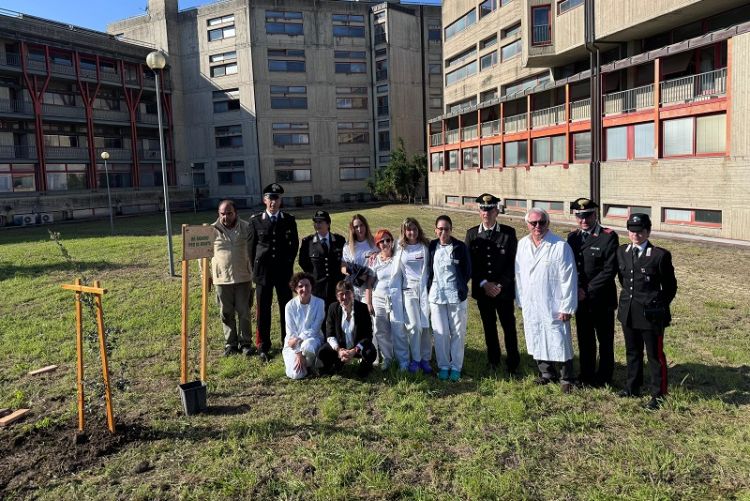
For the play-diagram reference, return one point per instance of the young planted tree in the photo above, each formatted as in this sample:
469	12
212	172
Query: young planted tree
401	179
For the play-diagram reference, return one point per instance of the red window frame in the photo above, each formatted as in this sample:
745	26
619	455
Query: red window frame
694	146
692	221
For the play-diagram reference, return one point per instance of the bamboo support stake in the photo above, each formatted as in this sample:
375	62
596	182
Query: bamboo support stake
103	352
79	358
204	315
184	335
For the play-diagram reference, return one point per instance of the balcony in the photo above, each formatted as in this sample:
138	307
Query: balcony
156	154
58	110
148	118
694	88
16	106
515	123
469	132
17	152
541	34
8	59
628	101
548	117
115	153
490	129
436	139
112	115
64	152
580	110
451	136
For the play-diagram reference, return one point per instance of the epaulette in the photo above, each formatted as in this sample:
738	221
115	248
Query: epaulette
607	230
255	215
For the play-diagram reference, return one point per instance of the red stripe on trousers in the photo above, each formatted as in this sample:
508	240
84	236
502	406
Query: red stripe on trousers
663	363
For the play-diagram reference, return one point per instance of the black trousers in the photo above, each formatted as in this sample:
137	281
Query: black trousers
595	324
653	341
263	304
331	362
492	309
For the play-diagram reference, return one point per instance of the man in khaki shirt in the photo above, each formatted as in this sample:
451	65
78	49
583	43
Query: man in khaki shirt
231	273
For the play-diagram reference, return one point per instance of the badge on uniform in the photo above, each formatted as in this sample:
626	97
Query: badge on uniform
648	252
502	251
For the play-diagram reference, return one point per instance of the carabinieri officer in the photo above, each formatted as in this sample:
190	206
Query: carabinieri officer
595	250
273	248
320	254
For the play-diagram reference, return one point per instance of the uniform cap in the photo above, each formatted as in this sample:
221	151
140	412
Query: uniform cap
321	215
487	201
583	206
273	189
638	222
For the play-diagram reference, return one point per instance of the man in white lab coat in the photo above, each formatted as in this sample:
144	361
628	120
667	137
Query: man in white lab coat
547	293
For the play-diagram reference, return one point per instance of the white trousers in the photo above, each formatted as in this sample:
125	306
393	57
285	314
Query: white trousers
449	329
309	349
389	335
418	335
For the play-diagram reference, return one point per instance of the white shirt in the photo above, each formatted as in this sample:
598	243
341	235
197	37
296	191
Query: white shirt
412	258
384	272
444	288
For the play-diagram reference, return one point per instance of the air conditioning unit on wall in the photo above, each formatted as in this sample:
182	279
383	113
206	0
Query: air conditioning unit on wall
46	218
24	219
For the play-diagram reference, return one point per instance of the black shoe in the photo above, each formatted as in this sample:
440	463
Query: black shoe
627	394
364	370
541	381
264	357
567	387
230	350
248	351
653	404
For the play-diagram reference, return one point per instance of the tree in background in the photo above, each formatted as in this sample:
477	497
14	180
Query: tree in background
401	179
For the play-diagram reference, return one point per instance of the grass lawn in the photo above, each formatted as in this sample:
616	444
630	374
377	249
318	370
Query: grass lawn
390	436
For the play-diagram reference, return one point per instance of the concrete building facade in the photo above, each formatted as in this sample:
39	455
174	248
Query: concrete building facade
312	94
675	84
66	95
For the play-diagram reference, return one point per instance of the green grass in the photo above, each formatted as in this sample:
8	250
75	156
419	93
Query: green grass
391	436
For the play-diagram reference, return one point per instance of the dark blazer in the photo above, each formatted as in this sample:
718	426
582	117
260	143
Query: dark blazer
461	259
648	281
324	266
362	323
493	258
273	247
596	261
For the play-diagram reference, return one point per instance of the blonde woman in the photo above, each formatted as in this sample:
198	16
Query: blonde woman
359	247
414	263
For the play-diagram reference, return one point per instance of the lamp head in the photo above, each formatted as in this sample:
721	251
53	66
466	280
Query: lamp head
156	60
105	155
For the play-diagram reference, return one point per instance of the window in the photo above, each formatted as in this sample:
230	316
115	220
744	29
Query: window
527	83
551	207
231	173
461	73
17	178
617	143
150	175
66	177
487	7
382	105
693	217
290	134
458	59
436	162
349	54
289	97
487	95
284	23
511	50
286	66
381	89
224	69
460	24
694	135
468	200
565	5
491	156
353	132
710	134
548	150
515	205
488	42
354	168
516	153
221	33
581	146
384	140
293	176
221	20
226	100
351	98
349	25
452	199
384	124
624	211
119	176
541	29
349	68
453	160
464	103
435	33
223	57
511	31
488	60
198	171
228	136
644	140
381	70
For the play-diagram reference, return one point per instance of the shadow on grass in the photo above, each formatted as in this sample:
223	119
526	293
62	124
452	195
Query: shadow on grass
731	385
13	270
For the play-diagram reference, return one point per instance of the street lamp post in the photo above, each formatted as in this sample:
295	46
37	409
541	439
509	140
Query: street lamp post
105	157
157	61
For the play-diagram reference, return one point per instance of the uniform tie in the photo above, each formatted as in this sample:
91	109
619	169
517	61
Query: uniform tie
325	244
273	219
487	233
584	236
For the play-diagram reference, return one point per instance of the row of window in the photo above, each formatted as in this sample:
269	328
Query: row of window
295	97
485	8
19	178
683	216
288	23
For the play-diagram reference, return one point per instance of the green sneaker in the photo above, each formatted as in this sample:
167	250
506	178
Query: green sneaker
455	375
443	375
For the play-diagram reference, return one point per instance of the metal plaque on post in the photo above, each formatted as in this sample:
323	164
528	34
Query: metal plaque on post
197	241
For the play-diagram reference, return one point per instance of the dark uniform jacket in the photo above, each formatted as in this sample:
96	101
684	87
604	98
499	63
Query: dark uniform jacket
324	265
648	287
493	259
462	261
273	247
596	262
362	324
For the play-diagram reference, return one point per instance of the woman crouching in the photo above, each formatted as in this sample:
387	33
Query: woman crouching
304	315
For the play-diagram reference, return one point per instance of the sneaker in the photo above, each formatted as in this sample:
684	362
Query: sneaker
425	366
264	356
443	374
653	404
230	350
248	351
413	367
455	375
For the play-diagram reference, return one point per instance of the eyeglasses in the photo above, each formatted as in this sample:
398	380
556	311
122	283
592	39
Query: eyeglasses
385	241
441	228
540	222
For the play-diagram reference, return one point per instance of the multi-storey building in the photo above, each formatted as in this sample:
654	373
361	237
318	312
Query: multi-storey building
312	94
675	88
66	95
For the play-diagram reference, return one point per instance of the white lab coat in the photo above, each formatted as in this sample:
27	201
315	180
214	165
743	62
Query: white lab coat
546	285
305	323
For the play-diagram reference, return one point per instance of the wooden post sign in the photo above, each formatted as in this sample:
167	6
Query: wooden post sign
197	243
97	292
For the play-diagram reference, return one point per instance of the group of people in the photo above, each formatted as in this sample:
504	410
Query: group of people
376	299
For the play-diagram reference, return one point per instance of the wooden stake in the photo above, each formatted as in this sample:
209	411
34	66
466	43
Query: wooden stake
204	315
105	366
184	334
15	416
43	370
79	361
